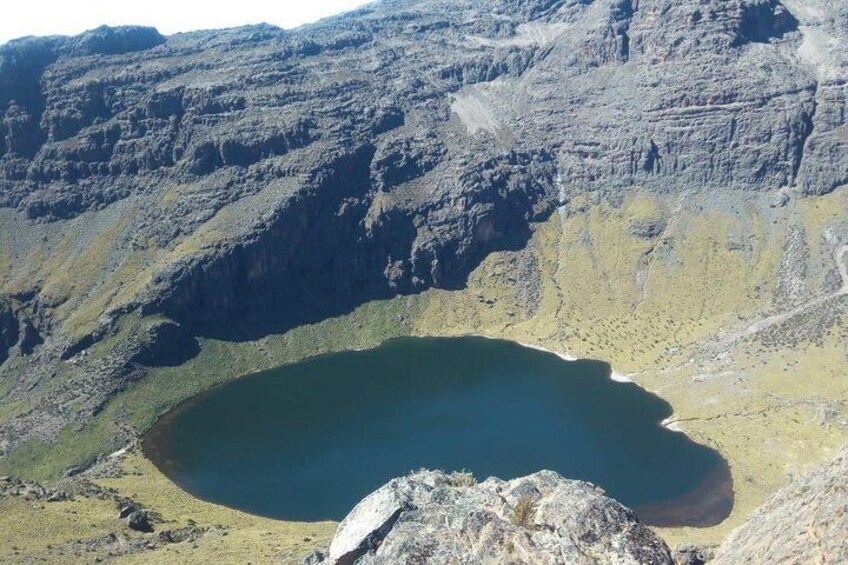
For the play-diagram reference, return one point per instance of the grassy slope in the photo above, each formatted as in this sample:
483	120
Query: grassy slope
646	305
246	537
605	295
36	530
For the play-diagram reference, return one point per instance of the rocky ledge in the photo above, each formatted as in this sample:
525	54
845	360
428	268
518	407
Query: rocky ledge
433	517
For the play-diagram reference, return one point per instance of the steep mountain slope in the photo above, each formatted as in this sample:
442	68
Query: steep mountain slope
662	185
242	182
806	522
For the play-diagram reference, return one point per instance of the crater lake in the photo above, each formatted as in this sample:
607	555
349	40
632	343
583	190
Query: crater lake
307	441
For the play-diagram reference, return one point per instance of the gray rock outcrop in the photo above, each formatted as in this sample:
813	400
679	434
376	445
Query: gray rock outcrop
690	554
8	330
140	521
805	522
16	330
432	517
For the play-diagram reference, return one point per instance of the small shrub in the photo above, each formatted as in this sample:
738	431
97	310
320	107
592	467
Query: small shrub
461	479
524	511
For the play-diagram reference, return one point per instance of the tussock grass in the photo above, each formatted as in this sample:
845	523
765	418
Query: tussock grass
462	479
524	512
647	306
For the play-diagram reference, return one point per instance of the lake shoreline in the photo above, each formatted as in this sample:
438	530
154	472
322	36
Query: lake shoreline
155	435
669	423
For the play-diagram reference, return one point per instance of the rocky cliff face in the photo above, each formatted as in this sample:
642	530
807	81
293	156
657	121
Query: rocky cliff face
806	522
241	182
431	517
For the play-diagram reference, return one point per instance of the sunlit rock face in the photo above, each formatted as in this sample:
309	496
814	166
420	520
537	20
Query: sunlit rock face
806	522
432	517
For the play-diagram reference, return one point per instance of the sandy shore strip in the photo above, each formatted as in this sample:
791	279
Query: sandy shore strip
563	356
621	377
614	375
670	424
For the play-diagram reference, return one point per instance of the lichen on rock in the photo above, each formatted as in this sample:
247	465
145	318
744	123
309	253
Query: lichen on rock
427	517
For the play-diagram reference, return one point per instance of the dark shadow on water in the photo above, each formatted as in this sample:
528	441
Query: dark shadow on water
708	504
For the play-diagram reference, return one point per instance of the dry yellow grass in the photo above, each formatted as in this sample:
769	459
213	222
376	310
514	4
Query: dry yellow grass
31	531
247	538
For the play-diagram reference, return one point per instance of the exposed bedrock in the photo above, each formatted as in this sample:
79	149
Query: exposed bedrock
433	517
805	522
315	257
742	93
116	40
8	330
16	330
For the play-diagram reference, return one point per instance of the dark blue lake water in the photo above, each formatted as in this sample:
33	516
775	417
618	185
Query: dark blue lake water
308	441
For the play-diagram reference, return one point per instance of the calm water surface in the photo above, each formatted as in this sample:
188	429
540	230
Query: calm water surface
308	441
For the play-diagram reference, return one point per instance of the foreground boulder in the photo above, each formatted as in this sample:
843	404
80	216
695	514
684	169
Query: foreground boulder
433	517
805	522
